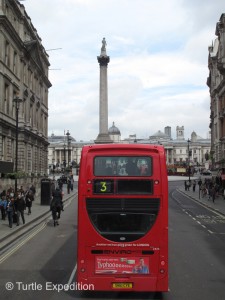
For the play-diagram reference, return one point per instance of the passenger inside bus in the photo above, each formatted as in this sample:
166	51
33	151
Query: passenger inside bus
131	167
122	166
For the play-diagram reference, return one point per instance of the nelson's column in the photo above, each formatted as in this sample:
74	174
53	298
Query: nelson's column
103	59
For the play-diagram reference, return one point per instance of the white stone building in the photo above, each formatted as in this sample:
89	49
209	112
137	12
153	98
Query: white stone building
216	84
176	149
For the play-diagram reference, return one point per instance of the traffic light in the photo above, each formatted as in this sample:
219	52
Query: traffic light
190	152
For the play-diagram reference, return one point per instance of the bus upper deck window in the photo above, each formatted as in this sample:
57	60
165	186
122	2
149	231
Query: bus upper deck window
122	166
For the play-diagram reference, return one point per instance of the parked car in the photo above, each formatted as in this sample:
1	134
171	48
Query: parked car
206	172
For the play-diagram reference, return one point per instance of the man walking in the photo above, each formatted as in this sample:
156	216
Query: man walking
20	206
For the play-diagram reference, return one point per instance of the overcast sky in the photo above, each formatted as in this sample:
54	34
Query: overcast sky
158	63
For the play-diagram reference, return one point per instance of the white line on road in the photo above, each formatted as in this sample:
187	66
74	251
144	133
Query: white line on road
13	250
72	275
200	203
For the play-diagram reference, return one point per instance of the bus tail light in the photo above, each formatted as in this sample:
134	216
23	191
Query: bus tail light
163	263
156	182
162	269
82	268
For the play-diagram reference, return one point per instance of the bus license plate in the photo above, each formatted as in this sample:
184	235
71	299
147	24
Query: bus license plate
122	285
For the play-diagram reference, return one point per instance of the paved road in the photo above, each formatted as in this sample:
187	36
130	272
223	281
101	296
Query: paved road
46	261
48	255
197	244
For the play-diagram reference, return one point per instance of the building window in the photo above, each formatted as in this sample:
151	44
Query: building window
31	81
32	157
24	74
42	121
7	54
215	131
3	148
6	99
31	116
15	63
13	143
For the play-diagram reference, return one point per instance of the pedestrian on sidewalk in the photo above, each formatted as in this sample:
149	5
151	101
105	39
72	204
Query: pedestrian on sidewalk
213	193
33	190
68	185
60	184
209	192
3	206
20	206
188	185
10	211
185	185
29	198
194	185
21	190
11	192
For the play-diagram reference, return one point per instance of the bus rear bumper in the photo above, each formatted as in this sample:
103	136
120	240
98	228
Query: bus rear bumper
136	284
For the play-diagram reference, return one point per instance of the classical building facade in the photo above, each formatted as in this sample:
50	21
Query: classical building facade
65	151
181	151
24	86
216	84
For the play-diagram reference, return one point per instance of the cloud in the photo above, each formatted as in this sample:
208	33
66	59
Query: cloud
158	63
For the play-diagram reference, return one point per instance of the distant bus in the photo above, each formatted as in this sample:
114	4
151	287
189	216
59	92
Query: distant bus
123	218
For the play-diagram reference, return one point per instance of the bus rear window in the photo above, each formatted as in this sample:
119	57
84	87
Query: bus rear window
123	166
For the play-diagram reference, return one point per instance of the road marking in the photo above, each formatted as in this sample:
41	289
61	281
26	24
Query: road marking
29	237
17	247
197	201
72	275
202	217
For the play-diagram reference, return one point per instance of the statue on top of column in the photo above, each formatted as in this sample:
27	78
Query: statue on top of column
103	49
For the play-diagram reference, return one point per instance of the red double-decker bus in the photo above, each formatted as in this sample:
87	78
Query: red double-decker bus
123	218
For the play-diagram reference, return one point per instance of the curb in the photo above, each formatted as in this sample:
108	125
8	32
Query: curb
202	203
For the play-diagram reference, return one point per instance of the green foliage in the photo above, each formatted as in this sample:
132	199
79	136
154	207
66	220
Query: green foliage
15	175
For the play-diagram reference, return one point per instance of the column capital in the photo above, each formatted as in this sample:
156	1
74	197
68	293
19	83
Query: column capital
103	60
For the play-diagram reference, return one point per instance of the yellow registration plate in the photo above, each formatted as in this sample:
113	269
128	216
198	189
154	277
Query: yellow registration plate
122	285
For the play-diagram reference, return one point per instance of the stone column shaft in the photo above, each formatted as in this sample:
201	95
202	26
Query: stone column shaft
103	101
103	59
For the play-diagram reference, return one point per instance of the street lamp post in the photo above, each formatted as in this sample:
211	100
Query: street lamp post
188	160
17	101
64	153
68	144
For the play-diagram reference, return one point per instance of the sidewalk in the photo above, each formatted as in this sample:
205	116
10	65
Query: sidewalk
218	205
38	212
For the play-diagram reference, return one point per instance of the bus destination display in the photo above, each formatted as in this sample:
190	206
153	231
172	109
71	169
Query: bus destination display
103	186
